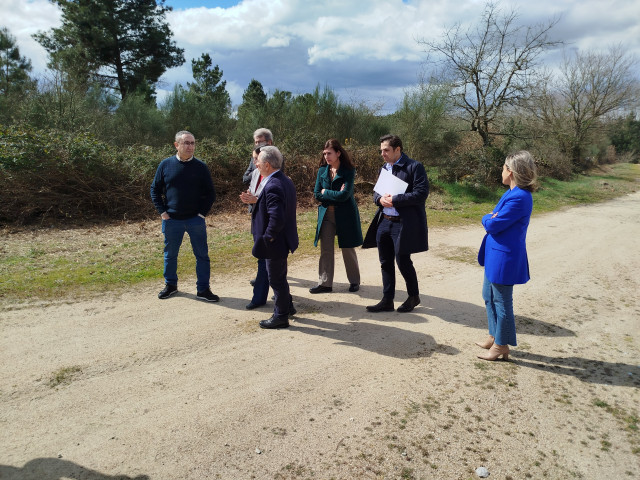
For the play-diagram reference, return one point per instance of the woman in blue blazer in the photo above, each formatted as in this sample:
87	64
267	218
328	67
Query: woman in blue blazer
503	252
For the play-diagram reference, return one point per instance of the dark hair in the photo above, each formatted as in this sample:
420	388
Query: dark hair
334	144
257	150
393	141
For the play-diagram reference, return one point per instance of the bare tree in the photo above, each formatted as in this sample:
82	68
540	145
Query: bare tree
589	86
492	65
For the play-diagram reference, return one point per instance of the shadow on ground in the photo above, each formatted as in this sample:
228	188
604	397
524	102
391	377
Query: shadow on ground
591	371
55	469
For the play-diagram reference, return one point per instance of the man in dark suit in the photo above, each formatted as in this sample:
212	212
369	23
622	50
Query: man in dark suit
275	232
400	226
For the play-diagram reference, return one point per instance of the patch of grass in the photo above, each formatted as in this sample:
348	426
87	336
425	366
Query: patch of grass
293	469
601	184
459	254
407	473
630	421
481	365
64	376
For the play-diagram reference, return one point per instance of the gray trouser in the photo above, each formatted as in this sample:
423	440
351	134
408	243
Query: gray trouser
326	264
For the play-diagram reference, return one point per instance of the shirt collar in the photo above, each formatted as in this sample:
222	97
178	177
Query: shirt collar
388	165
270	175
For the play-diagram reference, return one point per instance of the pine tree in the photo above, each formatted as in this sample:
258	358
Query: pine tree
14	68
123	44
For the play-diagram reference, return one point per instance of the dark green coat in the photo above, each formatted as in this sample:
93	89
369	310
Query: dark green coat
348	226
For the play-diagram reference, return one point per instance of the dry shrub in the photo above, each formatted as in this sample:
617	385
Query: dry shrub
470	161
50	175
551	162
610	154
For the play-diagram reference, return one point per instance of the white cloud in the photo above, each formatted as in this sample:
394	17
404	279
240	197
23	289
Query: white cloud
235	90
277	41
23	19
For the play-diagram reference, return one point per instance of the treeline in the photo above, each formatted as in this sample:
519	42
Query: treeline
83	140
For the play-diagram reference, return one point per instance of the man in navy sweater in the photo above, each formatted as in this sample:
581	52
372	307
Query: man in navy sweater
182	192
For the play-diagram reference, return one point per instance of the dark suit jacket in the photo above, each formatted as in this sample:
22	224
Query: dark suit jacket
273	220
411	207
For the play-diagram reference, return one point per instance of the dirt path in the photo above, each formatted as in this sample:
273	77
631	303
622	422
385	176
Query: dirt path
181	389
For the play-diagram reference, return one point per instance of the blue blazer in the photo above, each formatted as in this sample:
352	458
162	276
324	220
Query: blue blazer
503	252
273	219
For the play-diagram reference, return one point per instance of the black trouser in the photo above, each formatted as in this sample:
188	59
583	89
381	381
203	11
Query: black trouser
387	237
277	272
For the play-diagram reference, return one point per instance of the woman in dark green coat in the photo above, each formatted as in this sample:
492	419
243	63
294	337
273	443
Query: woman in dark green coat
337	215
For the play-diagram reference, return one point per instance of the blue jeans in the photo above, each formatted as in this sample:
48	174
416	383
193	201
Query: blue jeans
261	285
499	302
173	234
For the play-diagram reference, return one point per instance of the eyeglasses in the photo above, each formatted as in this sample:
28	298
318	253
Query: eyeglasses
188	143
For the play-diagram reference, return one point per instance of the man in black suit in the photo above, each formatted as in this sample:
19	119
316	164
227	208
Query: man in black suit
400	226
275	232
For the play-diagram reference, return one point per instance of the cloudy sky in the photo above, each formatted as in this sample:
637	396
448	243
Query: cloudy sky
366	50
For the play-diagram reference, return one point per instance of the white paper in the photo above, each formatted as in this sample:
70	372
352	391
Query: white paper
389	183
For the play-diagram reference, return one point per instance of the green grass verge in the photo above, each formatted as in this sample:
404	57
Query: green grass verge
75	263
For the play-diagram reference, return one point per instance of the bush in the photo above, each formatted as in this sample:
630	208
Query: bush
48	174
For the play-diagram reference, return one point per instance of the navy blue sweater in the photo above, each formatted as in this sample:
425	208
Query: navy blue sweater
182	189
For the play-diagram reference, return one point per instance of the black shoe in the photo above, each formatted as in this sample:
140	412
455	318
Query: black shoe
384	305
167	291
251	305
320	289
208	296
273	323
409	304
354	287
252	282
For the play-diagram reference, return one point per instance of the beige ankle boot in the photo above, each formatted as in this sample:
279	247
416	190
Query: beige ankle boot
495	352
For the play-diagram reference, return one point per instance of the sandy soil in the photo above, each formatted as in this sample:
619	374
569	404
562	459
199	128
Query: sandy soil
180	389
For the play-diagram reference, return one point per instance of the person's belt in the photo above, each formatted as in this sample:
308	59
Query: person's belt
391	218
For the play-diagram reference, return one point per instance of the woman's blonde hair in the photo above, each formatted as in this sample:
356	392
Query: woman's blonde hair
524	170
